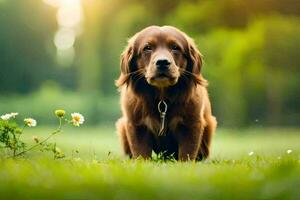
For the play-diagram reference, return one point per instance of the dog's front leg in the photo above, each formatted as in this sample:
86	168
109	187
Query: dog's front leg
139	140
189	140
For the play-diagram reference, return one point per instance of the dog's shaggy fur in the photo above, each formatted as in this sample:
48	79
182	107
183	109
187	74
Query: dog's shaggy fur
190	124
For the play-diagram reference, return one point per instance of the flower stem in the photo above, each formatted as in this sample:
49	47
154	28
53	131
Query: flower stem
43	141
21	131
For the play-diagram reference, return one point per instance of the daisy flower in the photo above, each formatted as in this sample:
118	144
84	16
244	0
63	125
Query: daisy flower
13	114
6	117
77	119
30	122
251	153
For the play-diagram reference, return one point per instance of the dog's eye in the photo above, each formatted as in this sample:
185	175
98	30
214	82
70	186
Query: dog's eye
175	48
147	48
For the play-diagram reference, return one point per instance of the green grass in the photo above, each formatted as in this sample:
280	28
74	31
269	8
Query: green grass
101	172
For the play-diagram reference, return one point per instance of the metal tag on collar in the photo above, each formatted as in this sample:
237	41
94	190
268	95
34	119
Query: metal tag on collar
162	109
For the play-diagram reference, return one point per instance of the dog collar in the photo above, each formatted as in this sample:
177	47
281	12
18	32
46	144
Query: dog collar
162	109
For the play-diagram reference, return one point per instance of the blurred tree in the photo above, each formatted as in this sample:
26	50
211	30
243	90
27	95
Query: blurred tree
25	28
281	56
89	67
252	69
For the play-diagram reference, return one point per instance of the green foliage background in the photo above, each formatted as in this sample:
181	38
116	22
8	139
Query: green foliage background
251	51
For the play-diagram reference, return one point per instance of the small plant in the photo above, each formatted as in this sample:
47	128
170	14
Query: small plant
161	157
10	134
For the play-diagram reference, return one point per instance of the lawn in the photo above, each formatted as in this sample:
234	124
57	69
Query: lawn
245	164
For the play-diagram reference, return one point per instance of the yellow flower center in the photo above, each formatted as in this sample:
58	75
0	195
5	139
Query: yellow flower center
76	118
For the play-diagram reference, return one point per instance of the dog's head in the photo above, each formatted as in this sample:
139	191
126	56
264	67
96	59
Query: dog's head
161	56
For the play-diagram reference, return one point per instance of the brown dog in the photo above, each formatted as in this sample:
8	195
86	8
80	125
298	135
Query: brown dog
164	100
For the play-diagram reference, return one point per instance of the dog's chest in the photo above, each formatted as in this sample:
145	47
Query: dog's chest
154	124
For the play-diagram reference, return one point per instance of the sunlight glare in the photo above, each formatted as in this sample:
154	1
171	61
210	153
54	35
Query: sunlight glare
69	16
68	3
58	3
64	39
54	3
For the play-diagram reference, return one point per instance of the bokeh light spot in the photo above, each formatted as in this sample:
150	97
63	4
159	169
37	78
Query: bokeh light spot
69	16
54	3
64	39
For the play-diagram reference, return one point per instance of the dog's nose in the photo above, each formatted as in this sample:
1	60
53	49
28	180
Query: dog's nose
162	64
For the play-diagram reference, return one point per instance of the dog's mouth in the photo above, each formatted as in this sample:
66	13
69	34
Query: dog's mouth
161	76
162	80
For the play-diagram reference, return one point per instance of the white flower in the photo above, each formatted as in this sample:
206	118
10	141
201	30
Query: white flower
13	115
30	122
8	116
251	153
77	119
5	117
289	151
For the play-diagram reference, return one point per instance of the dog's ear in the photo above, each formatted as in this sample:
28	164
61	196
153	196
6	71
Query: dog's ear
195	57
126	64
126	58
195	62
